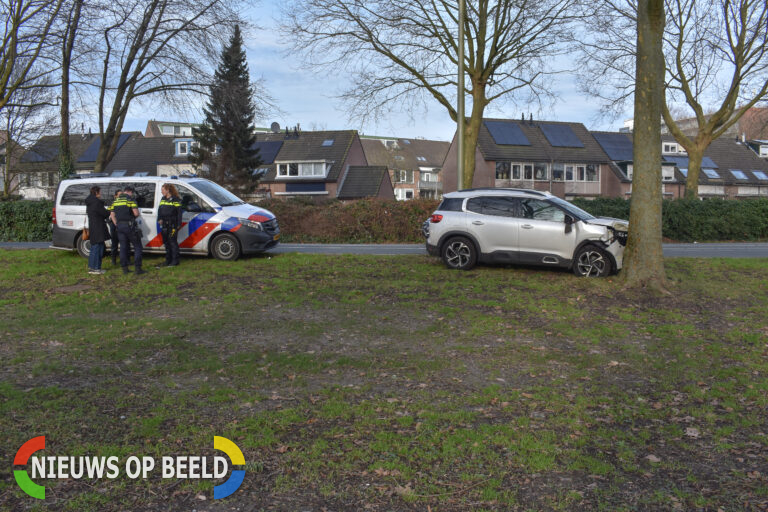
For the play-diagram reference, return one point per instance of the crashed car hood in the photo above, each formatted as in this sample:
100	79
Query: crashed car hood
619	224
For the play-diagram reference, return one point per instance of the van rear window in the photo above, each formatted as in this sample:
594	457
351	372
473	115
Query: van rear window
75	194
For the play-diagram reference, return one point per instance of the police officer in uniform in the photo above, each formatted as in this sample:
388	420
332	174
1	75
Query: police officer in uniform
169	219
124	213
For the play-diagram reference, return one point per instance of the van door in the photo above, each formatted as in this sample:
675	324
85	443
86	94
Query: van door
146	199
70	213
193	236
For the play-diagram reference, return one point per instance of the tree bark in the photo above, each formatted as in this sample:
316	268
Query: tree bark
66	166
644	261
695	157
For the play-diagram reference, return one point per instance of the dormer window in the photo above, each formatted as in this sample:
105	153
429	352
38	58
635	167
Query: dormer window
391	144
764	150
184	147
303	169
672	148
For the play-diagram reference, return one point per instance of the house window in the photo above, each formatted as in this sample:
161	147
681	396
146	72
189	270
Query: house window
427	176
182	148
403	176
421	159
403	194
328	143
593	172
516	171
558	172
569	173
303	169
581	172
502	170
166	130
763	150
540	172
528	171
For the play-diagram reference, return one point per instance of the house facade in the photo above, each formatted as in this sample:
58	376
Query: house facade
561	158
414	165
153	156
730	169
314	164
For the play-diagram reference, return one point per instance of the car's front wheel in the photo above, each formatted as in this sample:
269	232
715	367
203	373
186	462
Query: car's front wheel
591	261
459	253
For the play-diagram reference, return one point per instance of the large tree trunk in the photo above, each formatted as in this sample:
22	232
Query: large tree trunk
644	262
66	166
471	132
695	157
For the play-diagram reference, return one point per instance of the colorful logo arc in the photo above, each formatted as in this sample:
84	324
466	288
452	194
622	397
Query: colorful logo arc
236	478
21	459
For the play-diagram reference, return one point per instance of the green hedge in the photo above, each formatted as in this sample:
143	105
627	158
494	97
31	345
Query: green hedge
372	221
25	221
693	220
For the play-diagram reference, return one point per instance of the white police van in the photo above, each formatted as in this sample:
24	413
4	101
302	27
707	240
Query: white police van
215	221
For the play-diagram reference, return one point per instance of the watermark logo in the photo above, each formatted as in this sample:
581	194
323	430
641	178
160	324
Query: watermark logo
236	478
21	475
95	468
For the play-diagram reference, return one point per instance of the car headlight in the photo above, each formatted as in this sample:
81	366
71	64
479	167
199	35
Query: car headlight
251	224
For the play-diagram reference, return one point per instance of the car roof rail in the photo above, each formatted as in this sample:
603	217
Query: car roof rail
525	190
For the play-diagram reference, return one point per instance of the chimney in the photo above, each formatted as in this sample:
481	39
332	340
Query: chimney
530	121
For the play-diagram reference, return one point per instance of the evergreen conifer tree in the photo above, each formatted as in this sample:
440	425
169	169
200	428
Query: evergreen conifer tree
225	138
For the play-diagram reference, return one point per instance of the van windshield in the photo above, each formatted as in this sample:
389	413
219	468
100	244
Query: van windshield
217	194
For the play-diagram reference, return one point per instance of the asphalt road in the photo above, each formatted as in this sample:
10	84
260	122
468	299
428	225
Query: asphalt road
716	250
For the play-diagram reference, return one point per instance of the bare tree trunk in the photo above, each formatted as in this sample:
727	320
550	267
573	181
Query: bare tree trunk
695	157
471	132
644	262
66	166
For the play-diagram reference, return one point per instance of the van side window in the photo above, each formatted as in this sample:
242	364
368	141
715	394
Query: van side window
191	202
75	194
145	194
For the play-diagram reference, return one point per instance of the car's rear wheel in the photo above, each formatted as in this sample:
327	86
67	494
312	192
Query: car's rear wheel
225	247
591	261
83	246
459	253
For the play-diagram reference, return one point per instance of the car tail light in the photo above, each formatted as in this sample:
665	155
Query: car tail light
436	218
54	215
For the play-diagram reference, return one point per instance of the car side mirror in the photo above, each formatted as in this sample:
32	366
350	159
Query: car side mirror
568	223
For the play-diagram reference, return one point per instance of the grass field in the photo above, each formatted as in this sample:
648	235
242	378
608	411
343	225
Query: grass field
390	383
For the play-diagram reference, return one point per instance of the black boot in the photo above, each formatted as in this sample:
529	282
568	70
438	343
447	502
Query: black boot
139	271
126	270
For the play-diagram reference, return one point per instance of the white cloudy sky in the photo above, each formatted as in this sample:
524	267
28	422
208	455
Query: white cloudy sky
310	101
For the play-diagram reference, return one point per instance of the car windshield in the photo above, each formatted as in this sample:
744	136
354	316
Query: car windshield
572	209
217	194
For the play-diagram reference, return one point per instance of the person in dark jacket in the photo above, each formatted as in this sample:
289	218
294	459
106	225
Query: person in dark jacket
124	213
97	227
169	219
114	250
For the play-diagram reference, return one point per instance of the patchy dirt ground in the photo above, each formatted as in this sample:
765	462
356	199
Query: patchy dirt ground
365	383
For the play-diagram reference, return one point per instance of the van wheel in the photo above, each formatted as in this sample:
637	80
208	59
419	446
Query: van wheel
83	246
225	247
591	262
459	253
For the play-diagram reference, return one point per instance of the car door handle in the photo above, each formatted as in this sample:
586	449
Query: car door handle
478	222
147	211
526	226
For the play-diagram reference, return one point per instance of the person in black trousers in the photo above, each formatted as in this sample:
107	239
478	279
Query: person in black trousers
114	250
97	227
169	218
124	213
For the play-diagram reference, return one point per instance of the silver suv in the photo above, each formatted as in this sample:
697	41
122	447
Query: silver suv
523	227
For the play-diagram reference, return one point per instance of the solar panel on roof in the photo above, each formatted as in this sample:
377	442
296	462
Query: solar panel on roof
760	175
31	156
561	135
738	174
90	154
268	150
617	146
507	133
